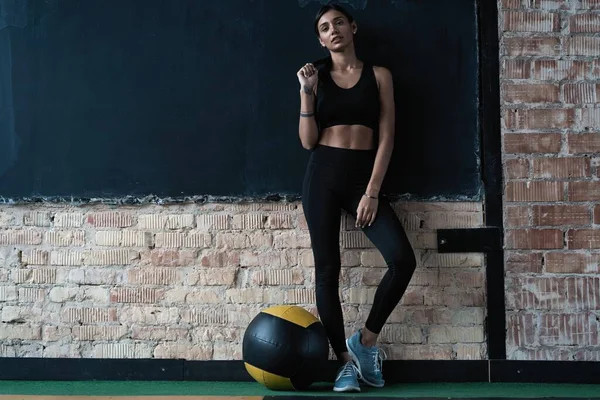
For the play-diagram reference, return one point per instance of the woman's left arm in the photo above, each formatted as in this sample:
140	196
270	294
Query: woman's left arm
386	131
367	208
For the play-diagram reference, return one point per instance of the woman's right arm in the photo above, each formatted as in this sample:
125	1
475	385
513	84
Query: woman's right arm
308	130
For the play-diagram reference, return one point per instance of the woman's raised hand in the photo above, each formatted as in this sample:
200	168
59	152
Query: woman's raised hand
308	76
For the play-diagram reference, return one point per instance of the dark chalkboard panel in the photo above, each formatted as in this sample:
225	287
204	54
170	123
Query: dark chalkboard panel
174	98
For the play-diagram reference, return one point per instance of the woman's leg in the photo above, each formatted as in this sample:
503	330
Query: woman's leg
322	210
389	236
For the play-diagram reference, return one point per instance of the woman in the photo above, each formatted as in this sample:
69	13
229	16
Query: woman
343	107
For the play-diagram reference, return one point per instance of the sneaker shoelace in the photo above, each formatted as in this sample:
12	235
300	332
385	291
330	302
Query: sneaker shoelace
378	356
349	369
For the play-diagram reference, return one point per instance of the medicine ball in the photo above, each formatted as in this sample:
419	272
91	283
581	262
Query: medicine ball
284	347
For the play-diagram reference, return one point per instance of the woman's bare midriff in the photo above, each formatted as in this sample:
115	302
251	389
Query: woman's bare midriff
354	137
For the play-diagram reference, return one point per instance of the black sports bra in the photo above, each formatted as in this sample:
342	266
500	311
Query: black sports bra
358	105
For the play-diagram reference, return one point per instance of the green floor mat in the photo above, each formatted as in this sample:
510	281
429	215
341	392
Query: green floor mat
178	388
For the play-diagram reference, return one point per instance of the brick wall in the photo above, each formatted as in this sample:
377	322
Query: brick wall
550	86
183	281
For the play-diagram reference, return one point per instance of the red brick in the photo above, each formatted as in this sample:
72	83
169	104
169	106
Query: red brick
110	219
34	257
571	263
152	276
530	93
582	46
212	277
20	236
221	259
579	93
556	70
516	168
583	143
588	4
583	239
516	143
206	222
529	262
584	191
453	297
165	221
516	69
159	333
532	46
534	191
412	298
37	218
541	354
426	316
548	4
595	72
171	258
590	119
552	293
508	4
516	216
68	219
449	277
540	119
433	220
420	352
174	239
280	221
466	278
276	277
534	239
597	214
531	21
89	315
136	295
67	257
54	333
561	168
249	221
520	329
584	23
65	238
259	258
109	257
569	329
556	215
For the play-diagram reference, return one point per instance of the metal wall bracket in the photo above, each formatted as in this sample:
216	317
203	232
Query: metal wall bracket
472	240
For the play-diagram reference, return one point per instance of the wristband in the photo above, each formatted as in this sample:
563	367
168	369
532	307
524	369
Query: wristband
371	197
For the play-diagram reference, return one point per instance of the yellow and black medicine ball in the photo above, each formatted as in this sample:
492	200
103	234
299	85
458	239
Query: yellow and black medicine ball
284	347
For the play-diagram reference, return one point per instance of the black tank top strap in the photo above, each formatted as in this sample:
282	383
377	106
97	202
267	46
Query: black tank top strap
369	71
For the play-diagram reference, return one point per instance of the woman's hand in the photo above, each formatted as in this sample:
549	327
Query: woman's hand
366	212
307	76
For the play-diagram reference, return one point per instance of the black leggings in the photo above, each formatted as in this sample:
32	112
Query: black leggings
336	179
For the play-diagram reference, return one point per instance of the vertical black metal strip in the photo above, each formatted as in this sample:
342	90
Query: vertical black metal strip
491	151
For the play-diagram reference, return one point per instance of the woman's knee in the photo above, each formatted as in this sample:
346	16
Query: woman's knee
402	259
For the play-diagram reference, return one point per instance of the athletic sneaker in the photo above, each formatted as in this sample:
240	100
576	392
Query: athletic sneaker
368	360
347	379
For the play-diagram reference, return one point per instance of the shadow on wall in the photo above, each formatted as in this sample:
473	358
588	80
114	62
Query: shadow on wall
410	100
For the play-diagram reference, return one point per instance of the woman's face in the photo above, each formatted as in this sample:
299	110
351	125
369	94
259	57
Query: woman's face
335	32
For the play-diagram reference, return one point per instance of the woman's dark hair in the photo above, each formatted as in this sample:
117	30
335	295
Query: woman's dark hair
330	7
